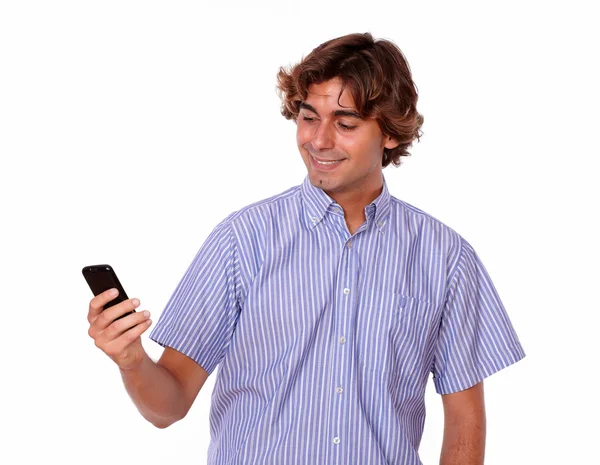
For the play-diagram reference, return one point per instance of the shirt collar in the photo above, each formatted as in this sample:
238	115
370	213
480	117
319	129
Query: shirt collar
317	203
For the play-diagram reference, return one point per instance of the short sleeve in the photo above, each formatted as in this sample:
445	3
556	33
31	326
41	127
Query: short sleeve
200	317
476	337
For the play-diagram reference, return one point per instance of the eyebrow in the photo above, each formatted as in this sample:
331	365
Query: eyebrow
350	113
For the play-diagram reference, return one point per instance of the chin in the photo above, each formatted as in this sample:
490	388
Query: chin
322	182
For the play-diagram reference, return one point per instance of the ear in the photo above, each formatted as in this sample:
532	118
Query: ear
390	142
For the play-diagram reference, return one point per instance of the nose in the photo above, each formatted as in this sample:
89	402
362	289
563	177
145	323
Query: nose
322	138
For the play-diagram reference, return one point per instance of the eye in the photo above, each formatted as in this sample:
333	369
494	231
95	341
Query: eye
346	127
308	118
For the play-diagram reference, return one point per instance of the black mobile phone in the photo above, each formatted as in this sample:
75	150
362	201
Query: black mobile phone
101	278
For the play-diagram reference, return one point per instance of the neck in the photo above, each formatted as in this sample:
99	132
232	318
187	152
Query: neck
354	203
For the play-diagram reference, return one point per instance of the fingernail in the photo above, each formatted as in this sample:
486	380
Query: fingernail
113	292
146	313
135	302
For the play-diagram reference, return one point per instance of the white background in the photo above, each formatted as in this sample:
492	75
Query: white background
128	130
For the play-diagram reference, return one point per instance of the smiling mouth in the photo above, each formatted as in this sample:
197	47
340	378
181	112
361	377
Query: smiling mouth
327	163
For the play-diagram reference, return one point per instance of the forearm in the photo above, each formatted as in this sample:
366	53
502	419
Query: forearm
156	393
464	441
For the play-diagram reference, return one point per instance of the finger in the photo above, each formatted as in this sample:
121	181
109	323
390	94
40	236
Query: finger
105	337
119	344
118	327
97	303
121	309
108	316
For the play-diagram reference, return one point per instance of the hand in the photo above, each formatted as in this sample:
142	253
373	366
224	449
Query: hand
120	339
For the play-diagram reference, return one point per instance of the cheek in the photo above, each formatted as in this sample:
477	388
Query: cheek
303	135
374	145
300	134
364	151
354	146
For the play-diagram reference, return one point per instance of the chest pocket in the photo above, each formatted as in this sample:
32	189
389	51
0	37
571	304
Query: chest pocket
392	337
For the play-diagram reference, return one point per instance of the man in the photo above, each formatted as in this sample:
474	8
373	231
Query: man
328	305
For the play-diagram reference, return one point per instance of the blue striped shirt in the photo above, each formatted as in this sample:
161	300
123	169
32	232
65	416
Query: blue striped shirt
325	340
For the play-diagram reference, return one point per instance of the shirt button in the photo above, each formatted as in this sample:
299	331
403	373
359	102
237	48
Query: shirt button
342	340
346	291
314	219
338	209
339	389
336	440
349	244
380	223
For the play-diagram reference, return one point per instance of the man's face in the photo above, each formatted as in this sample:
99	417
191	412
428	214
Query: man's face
349	148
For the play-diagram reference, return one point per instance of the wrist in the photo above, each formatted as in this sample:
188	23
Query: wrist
134	367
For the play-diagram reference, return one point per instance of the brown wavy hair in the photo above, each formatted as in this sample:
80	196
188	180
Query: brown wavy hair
379	79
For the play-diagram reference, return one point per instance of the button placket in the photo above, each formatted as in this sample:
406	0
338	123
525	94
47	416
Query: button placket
344	309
